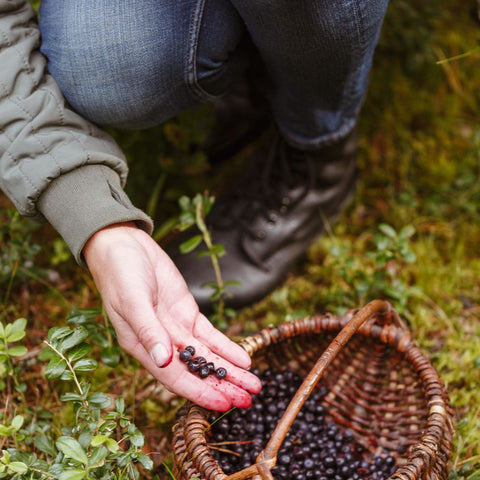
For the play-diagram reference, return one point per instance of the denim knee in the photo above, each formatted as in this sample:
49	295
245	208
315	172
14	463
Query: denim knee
134	65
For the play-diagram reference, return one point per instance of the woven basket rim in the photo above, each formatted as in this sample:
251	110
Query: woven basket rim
428	458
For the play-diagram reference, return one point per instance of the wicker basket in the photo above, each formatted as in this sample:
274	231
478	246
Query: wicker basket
380	385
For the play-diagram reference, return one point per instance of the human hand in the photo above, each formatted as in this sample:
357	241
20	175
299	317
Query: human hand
155	316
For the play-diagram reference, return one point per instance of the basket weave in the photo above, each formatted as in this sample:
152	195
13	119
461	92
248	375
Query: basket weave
380	385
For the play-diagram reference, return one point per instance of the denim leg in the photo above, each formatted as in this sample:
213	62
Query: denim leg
134	64
137	63
318	55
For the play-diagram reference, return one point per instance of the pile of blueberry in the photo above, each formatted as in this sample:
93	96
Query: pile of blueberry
314	448
200	365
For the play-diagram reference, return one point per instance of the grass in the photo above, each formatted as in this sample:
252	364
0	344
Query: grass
419	167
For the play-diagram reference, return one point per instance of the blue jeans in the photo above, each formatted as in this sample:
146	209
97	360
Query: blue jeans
134	64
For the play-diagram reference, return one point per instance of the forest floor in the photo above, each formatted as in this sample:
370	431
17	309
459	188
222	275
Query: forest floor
419	174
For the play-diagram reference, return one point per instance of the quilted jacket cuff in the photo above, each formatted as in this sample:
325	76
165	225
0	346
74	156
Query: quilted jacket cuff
81	202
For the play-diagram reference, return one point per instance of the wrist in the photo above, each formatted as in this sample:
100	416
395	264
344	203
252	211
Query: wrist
105	236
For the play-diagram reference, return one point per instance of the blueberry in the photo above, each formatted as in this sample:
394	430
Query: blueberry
191	350
203	371
200	360
211	367
185	356
220	373
193	365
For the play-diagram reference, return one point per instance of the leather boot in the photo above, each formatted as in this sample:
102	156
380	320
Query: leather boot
267	219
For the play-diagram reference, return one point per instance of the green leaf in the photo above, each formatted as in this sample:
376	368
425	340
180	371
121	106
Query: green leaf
15	336
98	440
185	203
71	448
99	400
18	325
17	422
6	431
82	315
112	445
56	333
74	474
86	436
17	467
410	257
108	426
67	375
186	220
72	397
111	356
191	244
406	232
79	352
388	230
217	249
120	404
85	365
45	444
208	202
145	460
2	330
21	387
17	351
55	368
137	439
77	336
97	456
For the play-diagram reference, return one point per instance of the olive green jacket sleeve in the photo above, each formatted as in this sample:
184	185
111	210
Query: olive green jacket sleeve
54	164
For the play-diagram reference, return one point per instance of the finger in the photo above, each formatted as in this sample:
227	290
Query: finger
150	333
179	380
219	343
239	397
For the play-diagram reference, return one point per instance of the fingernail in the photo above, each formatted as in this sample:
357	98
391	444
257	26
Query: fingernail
160	355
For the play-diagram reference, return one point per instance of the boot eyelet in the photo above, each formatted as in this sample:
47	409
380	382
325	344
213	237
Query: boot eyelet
272	218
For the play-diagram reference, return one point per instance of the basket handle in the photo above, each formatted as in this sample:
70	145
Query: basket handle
267	458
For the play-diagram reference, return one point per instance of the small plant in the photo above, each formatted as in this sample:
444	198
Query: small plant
102	443
193	213
376	274
9	335
17	252
100	333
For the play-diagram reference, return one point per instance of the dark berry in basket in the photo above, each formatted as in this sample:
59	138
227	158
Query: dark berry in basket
220	373
185	356
313	448
191	350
